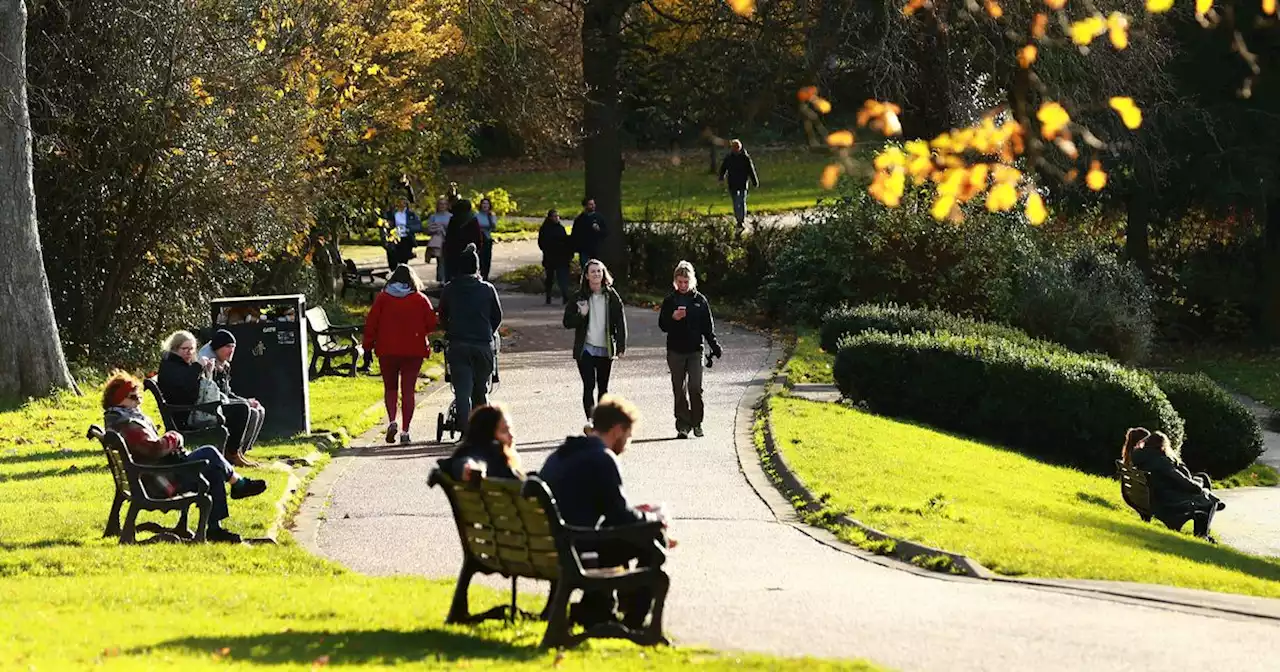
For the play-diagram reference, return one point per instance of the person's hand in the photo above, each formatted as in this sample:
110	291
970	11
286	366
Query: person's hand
717	351
595	226
253	403
206	363
679	313
583	306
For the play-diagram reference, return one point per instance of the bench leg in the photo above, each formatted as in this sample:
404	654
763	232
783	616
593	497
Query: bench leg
557	633
460	608
205	506
653	634
311	370
129	534
113	519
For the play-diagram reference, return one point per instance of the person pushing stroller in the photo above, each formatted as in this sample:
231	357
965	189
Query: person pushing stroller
470	314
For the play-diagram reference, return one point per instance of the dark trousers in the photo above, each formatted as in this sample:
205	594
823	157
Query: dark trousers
399	253
486	258
556	275
595	376
244	423
470	367
634	604
216	472
686	387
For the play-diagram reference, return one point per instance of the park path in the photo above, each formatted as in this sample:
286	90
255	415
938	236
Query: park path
745	577
1251	521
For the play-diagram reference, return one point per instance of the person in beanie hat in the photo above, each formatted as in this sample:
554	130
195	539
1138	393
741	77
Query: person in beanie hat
470	314
463	230
244	416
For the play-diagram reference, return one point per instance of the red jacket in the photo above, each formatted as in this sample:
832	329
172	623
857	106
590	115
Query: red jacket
400	326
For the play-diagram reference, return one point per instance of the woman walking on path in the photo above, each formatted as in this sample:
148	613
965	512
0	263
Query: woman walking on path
437	225
399	324
488	224
463	230
686	319
600	331
557	251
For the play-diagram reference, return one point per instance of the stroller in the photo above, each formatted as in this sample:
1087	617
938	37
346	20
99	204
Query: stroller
449	420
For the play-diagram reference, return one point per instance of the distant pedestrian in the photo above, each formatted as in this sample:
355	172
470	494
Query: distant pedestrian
557	251
686	318
589	230
399	324
600	331
405	224
437	226
488	224
470	314
739	170
463	230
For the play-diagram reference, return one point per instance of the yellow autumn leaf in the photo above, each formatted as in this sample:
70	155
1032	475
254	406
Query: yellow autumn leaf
261	44
943	204
1118	27
1269	6
1096	179
888	187
742	7
374	69
1158	6
913	6
830	175
368	134
1203	7
994	9
1084	30
1128	111
1039	26
1027	55
821	104
1001	197
1036	214
287	23
1053	118
840	139
1056	4
253	140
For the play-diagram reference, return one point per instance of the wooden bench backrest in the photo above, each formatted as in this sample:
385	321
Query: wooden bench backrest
114	447
502	530
1134	487
153	386
318	321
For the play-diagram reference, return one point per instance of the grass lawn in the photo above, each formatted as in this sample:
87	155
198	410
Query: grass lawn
657	188
1013	514
1253	374
72	600
808	363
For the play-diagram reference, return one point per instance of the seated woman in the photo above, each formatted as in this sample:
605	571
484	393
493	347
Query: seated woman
122	413
180	372
1176	496
489	445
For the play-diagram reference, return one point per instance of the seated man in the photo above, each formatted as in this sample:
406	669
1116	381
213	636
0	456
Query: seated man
122	413
244	416
583	476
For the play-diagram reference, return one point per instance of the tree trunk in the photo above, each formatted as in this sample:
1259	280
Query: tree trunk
1137	232
602	145
31	359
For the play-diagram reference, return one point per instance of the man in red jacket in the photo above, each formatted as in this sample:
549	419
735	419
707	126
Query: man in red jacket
398	329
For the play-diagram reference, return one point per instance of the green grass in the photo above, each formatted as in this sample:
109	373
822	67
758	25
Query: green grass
1254	475
808	363
73	600
655	188
1013	514
1253	374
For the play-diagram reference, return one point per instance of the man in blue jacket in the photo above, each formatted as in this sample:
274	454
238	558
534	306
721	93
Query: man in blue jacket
470	314
584	478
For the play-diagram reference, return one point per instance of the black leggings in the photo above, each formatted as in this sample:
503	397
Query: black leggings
595	375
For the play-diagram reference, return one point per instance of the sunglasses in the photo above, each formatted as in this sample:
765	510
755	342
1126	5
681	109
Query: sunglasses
134	397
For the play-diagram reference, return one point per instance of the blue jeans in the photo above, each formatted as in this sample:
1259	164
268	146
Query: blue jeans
486	258
216	472
739	204
470	366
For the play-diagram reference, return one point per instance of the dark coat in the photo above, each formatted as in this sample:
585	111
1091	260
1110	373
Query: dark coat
179	382
584	478
586	240
470	311
1173	491
737	169
463	228
554	242
491	455
685	336
615	324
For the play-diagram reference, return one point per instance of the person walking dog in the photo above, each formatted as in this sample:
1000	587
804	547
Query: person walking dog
739	170
600	331
399	324
686	319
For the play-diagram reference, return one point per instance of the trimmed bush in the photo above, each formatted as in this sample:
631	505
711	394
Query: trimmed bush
1060	407
894	319
1222	434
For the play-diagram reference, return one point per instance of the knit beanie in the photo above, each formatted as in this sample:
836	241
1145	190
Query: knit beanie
469	260
221	339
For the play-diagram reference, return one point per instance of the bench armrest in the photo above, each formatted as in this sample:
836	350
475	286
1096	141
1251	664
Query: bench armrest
345	330
193	468
636	532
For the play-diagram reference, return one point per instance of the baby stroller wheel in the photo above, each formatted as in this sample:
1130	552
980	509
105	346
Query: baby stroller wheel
439	427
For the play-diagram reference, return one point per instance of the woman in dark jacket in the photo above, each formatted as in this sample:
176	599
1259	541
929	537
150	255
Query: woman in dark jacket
686	318
489	445
180	372
557	251
600	331
1176	496
463	228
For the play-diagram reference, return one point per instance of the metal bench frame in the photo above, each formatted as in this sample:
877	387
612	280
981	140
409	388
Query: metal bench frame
131	481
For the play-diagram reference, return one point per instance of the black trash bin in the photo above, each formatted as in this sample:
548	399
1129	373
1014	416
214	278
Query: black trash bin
270	364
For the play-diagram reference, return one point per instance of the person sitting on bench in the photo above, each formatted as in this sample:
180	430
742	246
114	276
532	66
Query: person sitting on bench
244	416
583	476
1176	494
489	446
122	414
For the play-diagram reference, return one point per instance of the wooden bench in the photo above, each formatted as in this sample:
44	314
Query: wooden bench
215	434
145	488
330	343
358	279
1135	488
513	529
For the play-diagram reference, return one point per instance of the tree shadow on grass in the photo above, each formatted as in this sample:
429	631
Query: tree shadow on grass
38	474
47	455
352	647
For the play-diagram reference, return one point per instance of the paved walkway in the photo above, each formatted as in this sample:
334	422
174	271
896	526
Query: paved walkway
1251	521
745	576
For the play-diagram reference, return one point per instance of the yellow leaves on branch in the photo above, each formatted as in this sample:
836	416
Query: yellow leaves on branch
882	117
1118	30
1096	179
1053	120
1056	4
1027	55
840	139
1159	6
1269	7
1128	111
914	6
994	9
1036	213
742	7
831	175
1116	26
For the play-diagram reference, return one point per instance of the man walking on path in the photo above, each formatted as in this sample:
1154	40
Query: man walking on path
470	314
588	230
739	169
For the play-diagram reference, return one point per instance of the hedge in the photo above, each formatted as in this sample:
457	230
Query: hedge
892	318
1222	434
1060	407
